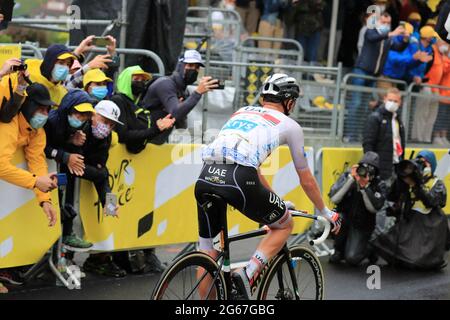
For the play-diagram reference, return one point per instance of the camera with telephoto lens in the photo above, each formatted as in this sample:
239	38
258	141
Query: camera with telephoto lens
412	169
365	170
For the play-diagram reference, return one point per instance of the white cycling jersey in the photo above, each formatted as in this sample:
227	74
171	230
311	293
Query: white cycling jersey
250	136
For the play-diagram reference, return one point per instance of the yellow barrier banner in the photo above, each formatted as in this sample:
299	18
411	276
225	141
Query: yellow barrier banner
8	52
335	161
25	236
155	191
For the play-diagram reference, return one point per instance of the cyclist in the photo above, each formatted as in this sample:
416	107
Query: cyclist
231	170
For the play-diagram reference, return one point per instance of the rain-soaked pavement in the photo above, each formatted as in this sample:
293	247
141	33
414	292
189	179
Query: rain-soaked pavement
341	282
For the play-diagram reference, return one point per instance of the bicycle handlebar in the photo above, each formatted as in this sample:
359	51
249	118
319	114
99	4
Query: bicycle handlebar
325	233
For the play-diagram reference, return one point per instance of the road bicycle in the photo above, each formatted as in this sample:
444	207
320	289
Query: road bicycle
295	273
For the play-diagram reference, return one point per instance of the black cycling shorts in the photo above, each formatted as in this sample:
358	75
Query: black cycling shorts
240	187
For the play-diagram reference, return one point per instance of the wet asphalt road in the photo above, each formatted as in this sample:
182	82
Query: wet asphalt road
341	282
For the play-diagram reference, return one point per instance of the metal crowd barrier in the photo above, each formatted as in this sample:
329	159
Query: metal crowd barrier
316	120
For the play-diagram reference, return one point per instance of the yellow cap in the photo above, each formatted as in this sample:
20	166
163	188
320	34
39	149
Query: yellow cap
414	16
409	28
84	107
66	55
95	75
138	72
428	32
431	22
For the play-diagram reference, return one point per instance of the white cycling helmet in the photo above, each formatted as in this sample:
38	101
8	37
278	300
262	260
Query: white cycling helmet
281	86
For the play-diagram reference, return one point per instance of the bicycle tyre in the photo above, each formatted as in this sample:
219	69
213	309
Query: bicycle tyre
192	259
300	256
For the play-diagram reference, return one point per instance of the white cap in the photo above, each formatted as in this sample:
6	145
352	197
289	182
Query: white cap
109	110
192	56
217	18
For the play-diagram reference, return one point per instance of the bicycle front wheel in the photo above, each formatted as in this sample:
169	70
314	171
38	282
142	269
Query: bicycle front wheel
191	277
278	283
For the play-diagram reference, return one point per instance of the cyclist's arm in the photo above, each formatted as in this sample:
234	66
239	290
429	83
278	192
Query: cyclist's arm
311	188
295	141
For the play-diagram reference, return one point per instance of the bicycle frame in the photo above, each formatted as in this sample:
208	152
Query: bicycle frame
224	255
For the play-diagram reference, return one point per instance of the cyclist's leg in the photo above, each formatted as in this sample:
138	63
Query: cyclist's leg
209	227
267	208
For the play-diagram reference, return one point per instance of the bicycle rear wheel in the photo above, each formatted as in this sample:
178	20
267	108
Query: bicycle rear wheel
190	278
278	283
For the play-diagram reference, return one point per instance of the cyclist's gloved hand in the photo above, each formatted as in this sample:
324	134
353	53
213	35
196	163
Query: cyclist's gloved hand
334	218
289	205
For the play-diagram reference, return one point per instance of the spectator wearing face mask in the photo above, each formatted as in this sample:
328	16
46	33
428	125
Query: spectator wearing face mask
137	129
95	82
25	130
66	134
378	40
168	95
385	134
96	152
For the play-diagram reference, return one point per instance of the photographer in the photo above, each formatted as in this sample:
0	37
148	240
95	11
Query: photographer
418	238
358	195
13	83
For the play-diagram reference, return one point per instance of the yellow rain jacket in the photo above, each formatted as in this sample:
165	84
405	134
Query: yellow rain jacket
19	134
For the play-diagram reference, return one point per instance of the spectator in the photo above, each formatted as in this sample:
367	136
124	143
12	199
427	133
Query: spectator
65	135
168	96
443	118
385	134
249	10
309	24
270	24
399	63
358	195
138	128
418	238
378	41
25	131
427	105
95	82
96	151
